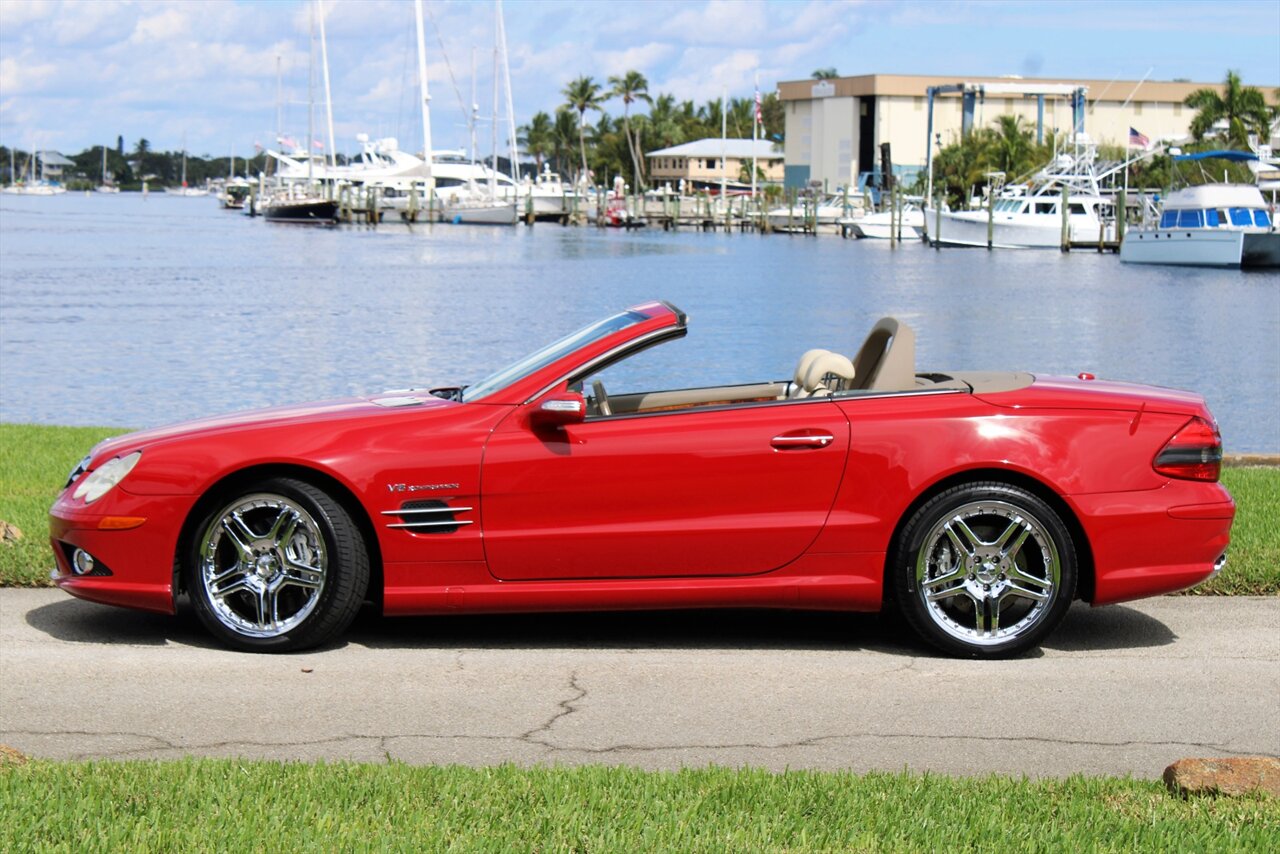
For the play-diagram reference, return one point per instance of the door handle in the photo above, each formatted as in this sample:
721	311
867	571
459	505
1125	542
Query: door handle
793	440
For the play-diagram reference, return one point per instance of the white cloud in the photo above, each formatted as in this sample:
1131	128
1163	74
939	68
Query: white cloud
719	22
641	58
20	13
25	74
164	25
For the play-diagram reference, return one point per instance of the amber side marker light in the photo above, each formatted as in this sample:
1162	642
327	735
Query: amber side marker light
1194	452
120	523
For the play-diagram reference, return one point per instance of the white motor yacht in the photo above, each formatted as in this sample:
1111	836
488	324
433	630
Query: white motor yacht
879	226
1214	225
824	213
1032	217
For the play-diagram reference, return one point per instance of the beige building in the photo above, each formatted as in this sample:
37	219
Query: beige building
703	162
834	128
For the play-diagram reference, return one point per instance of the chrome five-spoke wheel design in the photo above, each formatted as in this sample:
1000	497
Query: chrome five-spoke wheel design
987	572
984	569
262	565
283	566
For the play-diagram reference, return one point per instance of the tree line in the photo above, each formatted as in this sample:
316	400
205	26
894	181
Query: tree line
615	145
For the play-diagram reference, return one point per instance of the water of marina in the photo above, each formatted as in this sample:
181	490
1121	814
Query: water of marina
133	311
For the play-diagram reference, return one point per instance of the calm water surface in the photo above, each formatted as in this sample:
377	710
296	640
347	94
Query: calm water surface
136	312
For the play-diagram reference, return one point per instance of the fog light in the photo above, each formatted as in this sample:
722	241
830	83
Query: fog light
82	562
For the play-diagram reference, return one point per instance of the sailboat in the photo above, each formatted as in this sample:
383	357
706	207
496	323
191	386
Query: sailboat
105	186
184	190
301	203
477	205
34	186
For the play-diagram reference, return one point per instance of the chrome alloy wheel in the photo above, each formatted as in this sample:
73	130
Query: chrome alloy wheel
262	565
987	573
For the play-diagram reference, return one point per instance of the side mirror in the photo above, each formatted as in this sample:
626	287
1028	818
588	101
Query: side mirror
559	410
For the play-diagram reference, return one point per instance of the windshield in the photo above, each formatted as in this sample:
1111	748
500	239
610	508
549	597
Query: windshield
539	360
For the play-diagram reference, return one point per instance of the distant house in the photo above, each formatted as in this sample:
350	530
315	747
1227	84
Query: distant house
51	164
703	162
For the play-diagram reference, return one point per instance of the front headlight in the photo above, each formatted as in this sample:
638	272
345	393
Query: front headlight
106	476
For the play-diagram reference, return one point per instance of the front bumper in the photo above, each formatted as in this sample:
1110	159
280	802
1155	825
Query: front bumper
134	566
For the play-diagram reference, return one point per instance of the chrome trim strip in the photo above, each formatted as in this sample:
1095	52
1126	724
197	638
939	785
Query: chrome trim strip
425	510
850	396
429	524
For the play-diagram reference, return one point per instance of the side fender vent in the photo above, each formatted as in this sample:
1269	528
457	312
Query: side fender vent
427	517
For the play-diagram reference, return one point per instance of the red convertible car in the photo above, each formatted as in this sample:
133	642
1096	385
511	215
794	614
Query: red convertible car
978	504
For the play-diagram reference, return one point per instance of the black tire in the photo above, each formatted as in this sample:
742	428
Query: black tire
278	566
984	570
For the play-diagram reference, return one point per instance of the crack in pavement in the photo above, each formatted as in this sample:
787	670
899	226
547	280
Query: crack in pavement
383	742
566	707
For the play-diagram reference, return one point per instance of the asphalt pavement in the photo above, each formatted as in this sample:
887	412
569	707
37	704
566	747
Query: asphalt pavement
1125	689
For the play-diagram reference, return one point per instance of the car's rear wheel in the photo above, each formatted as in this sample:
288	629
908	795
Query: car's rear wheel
984	570
279	567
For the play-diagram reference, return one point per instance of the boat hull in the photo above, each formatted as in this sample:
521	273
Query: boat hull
1009	231
1201	248
503	213
306	212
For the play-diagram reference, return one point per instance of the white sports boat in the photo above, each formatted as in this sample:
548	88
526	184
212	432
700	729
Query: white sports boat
1214	225
825	213
879	226
1031	218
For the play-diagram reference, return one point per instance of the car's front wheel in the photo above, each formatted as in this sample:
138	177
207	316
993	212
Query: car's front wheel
984	570
279	567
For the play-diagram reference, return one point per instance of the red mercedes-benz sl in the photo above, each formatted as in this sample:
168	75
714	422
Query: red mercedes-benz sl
978	504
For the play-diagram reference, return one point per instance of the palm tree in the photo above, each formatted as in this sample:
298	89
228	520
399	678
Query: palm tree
1243	107
538	137
828	73
631	87
1013	146
664	119
564	131
583	94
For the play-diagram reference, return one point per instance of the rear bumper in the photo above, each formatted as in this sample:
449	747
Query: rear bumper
1156	541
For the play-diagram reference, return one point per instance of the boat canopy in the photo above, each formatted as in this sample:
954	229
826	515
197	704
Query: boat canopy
1238	156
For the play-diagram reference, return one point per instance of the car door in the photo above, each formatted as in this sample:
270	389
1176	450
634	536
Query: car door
708	491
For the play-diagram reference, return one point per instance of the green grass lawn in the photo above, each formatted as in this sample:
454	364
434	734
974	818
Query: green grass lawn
35	461
231	805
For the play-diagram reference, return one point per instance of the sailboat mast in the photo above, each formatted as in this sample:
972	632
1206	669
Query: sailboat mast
506	82
426	99
328	97
311	97
493	125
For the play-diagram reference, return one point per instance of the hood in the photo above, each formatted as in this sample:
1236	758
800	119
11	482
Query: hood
344	409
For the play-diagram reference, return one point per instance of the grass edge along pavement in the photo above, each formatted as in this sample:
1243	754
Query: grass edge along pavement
229	804
35	460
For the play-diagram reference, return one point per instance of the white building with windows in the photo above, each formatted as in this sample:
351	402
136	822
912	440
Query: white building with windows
703	162
834	128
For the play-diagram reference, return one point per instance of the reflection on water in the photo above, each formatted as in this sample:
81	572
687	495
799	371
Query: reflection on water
130	311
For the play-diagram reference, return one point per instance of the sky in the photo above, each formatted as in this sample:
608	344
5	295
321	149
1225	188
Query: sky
77	73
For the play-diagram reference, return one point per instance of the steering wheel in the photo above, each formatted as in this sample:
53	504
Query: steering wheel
602	399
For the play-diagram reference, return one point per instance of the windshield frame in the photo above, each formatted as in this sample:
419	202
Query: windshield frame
550	354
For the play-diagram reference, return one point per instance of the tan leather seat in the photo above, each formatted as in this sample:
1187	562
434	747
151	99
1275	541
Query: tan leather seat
887	359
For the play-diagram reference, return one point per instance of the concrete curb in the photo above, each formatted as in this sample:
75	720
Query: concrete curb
1239	460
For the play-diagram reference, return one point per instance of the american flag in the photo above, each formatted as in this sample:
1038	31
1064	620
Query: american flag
315	143
287	140
759	111
1137	140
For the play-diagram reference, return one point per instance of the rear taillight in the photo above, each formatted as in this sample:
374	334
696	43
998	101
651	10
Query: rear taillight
1194	452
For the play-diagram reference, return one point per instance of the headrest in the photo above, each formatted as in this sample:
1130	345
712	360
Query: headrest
827	364
802	367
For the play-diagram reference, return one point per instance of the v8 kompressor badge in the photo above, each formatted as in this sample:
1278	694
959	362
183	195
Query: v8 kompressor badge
419	487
